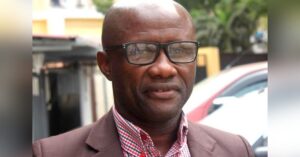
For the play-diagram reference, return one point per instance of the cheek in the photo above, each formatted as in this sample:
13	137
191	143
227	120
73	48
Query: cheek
120	70
127	78
188	77
134	77
188	74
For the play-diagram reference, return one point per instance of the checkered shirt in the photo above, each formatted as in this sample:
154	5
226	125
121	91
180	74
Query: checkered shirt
135	142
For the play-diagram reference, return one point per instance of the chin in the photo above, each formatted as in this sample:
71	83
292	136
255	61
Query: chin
161	110
163	113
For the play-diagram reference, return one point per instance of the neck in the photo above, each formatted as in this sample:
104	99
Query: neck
160	128
162	132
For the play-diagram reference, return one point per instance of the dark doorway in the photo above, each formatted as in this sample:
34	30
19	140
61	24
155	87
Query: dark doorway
64	102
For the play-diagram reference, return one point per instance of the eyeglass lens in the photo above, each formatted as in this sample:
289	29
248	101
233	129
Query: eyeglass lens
146	53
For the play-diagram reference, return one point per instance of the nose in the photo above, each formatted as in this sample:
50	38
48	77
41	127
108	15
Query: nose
162	68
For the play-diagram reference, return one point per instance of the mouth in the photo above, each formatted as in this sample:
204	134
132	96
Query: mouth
161	91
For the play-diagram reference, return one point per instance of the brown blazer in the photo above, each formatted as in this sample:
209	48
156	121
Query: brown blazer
101	140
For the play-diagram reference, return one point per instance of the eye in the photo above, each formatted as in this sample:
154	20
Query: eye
177	50
131	50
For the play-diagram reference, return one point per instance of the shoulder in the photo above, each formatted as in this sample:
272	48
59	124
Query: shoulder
62	143
79	142
221	142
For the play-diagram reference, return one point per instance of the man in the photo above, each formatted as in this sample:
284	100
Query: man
149	55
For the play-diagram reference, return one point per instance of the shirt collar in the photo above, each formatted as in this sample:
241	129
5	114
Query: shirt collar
128	132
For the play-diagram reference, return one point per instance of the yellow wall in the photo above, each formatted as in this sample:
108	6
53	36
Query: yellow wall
209	57
39	27
90	27
45	24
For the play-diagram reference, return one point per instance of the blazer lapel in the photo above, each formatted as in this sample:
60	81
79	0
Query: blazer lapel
104	137
105	140
200	144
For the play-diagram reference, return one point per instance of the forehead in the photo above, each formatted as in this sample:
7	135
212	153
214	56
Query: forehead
147	20
151	20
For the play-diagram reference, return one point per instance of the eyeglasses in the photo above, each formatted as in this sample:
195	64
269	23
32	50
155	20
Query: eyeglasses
143	53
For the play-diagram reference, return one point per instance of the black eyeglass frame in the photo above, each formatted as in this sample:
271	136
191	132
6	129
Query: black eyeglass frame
159	47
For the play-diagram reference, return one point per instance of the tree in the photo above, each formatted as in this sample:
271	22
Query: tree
103	5
227	24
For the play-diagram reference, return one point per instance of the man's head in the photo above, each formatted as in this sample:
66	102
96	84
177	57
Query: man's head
149	87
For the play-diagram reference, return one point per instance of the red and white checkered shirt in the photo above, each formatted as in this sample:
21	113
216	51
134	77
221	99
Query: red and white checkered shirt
135	142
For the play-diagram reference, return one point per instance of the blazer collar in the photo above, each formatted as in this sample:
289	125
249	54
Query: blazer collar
104	137
199	142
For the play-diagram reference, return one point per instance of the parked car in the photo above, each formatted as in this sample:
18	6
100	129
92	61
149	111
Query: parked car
236	81
246	116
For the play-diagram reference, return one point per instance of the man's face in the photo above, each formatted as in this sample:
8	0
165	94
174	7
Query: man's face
158	91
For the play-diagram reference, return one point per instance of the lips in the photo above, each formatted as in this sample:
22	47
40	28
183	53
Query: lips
161	91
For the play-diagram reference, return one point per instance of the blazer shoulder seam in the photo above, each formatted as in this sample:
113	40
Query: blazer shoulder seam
246	146
38	150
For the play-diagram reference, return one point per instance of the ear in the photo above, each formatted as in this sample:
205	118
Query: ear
104	64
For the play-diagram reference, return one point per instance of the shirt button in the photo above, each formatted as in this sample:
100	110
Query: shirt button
144	137
142	154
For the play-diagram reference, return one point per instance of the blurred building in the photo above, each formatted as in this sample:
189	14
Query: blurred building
67	17
68	88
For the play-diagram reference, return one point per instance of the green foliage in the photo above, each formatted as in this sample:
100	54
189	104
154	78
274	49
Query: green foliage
103	5
227	24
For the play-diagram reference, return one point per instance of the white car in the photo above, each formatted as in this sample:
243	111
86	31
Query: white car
245	116
236	81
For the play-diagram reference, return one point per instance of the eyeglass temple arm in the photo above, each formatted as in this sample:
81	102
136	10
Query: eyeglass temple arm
109	48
